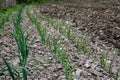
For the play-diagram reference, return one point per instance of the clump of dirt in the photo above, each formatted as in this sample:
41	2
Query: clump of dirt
99	18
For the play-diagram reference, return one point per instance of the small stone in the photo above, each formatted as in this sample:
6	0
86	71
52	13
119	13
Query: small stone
60	66
39	52
67	22
93	66
87	65
108	63
46	65
50	58
77	73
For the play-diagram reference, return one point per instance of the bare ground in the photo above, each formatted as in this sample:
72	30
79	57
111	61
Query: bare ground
99	19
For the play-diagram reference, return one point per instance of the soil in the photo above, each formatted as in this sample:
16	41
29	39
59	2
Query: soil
99	20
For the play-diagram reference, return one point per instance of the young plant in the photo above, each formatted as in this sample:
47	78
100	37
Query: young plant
89	52
22	47
21	43
118	74
66	65
56	47
2	70
49	42
95	54
63	58
40	29
60	30
111	64
9	68
83	46
2	22
103	60
20	39
76	41
66	32
69	34
5	19
43	35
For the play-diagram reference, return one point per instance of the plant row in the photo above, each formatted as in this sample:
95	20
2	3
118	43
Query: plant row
17	70
80	43
54	46
4	19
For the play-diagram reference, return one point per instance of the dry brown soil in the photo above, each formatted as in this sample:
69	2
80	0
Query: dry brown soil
99	18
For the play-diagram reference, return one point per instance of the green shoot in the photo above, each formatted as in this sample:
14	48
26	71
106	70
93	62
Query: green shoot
5	19
2	70
56	47
76	41
41	31
95	54
118	74
111	64
63	58
69	34
22	47
21	42
20	39
103	60
9	68
83	46
88	52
